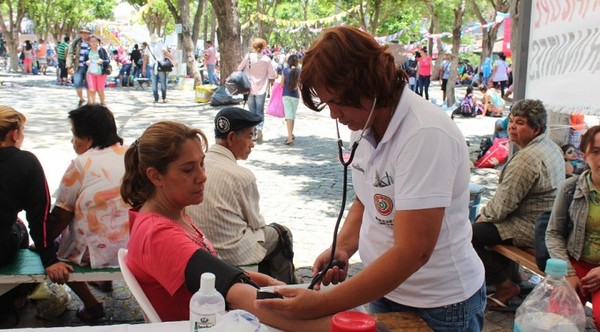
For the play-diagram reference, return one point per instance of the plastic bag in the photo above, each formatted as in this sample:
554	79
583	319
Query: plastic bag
495	155
222	97
553	305
51	300
276	103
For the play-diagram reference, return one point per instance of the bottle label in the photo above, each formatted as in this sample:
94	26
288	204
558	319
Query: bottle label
200	322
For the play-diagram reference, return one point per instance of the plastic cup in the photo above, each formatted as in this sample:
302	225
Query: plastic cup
352	321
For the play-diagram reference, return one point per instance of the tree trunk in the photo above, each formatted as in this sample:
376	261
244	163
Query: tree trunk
187	43
11	33
488	36
456	34
197	19
228	33
434	29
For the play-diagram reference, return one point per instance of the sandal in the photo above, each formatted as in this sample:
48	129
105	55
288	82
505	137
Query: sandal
289	142
92	314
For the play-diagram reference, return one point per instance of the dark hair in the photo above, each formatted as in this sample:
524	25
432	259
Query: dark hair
502	56
66	39
469	90
417	54
566	147
351	64
136	47
28	45
483	88
587	139
159	145
115	52
294	71
533	110
97	123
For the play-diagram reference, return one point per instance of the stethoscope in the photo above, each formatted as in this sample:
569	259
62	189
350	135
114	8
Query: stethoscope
345	164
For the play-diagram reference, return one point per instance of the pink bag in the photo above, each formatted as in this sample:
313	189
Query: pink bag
276	103
496	155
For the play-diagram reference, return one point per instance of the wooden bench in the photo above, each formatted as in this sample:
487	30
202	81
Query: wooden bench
520	256
28	268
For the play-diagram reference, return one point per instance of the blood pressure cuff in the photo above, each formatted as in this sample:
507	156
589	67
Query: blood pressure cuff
226	274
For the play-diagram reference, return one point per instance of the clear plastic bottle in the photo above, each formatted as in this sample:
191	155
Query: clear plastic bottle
553	305
206	305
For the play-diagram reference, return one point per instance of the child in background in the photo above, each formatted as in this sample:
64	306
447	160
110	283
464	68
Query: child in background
570	155
468	106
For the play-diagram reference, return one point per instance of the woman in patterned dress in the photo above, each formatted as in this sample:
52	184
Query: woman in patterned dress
88	203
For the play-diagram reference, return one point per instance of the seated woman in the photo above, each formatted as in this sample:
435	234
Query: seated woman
576	214
492	101
89	202
24	187
167	252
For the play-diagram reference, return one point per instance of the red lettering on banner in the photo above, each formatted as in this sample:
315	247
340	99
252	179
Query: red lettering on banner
550	11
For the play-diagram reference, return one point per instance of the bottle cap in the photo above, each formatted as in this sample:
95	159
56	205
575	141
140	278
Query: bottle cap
556	267
348	321
207	282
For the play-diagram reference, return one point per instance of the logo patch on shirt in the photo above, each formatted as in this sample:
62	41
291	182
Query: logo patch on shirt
383	204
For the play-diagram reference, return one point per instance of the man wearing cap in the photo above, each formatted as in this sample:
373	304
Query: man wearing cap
230	213
78	50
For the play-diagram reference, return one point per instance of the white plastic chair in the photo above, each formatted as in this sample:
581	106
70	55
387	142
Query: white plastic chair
150	314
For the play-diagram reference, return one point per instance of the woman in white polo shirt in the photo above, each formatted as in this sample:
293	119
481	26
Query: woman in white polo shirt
409	221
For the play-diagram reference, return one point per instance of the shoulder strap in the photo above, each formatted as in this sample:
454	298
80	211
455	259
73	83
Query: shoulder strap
150	50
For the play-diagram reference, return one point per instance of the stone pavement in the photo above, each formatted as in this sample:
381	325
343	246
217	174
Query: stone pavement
300	184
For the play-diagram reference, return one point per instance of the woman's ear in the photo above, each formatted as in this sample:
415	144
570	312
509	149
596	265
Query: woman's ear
154	176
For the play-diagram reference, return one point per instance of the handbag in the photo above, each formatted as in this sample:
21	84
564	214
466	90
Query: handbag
106	67
165	65
238	82
276	103
107	70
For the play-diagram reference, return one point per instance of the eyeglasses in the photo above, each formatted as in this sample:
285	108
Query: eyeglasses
570	151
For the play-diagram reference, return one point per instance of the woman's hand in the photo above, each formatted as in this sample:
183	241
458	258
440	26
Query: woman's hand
334	275
99	61
591	282
59	272
298	303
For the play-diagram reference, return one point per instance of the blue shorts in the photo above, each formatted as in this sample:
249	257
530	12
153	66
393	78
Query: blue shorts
79	78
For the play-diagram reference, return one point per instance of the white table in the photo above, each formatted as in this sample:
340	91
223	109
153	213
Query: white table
181	326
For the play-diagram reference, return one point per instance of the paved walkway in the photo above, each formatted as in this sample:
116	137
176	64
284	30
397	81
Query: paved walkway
300	184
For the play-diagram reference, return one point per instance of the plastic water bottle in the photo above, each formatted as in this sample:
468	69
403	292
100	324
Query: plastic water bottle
206	305
553	305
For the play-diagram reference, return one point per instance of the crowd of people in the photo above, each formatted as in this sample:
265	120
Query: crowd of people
182	207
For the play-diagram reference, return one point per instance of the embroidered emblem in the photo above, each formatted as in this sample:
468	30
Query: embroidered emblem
383	204
223	124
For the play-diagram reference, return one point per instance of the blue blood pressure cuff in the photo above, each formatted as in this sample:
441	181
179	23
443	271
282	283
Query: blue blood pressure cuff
226	274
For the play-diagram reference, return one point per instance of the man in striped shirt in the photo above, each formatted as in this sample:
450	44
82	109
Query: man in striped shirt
230	214
62	50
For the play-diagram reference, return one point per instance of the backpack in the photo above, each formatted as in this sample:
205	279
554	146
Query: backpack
466	106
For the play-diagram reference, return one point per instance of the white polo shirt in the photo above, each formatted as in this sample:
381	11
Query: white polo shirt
421	162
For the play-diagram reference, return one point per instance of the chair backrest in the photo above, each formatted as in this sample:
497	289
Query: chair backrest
149	313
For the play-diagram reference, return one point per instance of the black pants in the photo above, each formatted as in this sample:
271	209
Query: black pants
501	85
497	267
